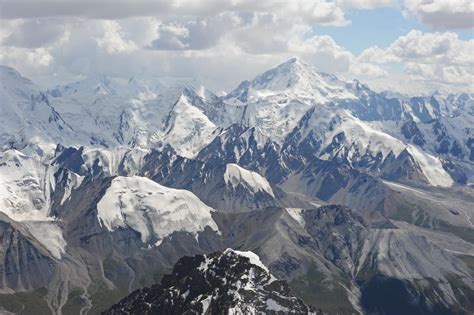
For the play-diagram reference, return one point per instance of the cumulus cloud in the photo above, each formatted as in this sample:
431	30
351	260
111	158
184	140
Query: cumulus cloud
442	14
423	47
378	56
265	33
419	45
113	40
26	59
366	4
195	33
431	57
315	12
323	52
312	11
367	70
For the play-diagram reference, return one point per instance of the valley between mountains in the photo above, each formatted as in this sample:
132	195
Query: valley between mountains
297	192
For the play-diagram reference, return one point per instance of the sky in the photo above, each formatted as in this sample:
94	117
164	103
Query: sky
408	46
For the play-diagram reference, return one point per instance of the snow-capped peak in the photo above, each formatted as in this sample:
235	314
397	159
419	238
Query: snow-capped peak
236	175
187	128
294	78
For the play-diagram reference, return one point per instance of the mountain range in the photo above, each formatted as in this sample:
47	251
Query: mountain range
358	201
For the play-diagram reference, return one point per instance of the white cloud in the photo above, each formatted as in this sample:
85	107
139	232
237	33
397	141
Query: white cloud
419	45
324	53
377	55
267	34
311	11
367	70
366	4
30	59
171	36
113	39
423	47
443	14
315	12
196	33
431	57
448	74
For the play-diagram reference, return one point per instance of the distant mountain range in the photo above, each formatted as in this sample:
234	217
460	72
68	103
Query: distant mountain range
361	202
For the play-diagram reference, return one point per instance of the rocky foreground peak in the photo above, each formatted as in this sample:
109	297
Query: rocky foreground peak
229	282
